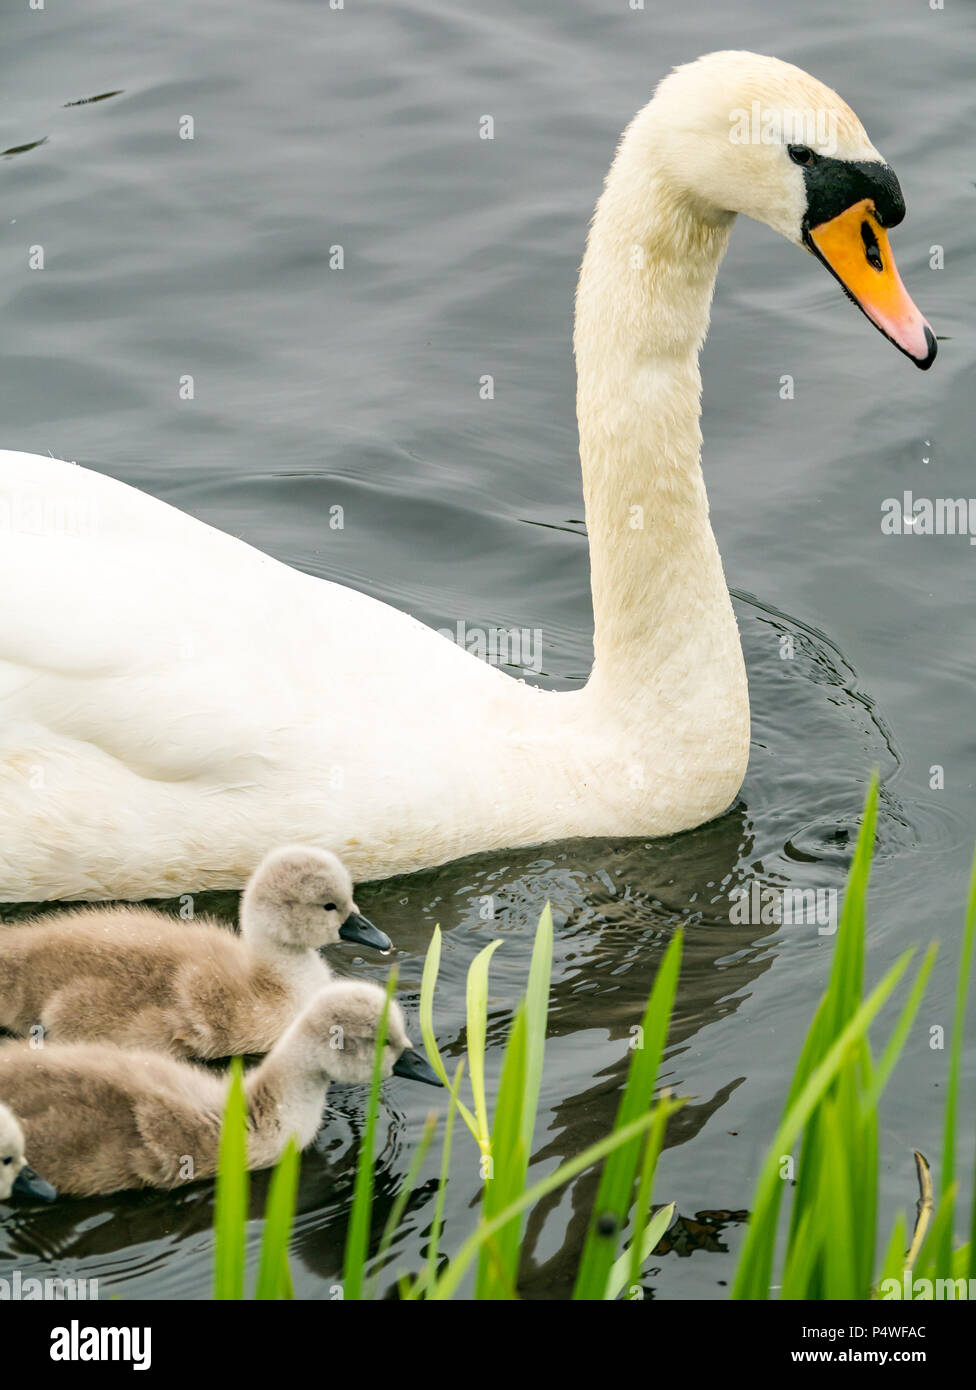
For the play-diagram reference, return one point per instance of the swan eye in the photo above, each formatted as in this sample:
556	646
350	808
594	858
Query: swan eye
800	154
330	907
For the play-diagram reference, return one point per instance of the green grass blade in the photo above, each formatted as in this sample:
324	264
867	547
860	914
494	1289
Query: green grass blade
477	1001
928	1264
453	1276
803	1256
863	1161
274	1277
843	994
513	1129
357	1237
403	1196
893	1265
616	1187
900	1032
845	984
230	1218
432	963
840	1262
504	1169
754	1271
622	1273
645	1189
948	1174
428	1276
437	1225
536	1017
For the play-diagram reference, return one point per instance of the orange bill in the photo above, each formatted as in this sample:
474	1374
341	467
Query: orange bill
854	247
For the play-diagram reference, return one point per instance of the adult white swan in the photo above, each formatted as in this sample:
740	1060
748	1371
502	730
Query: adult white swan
173	702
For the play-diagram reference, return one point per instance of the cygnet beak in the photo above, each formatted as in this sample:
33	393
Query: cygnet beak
358	928
27	1183
416	1068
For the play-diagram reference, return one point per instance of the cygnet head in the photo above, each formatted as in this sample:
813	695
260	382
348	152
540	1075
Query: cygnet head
302	898
741	132
339	1030
15	1177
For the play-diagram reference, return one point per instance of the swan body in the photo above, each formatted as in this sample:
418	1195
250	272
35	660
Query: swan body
99	1118
142	979
172	700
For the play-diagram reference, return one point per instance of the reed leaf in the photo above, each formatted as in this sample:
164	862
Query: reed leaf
357	1237
504	1167
274	1275
514	1125
477	1002
754	1273
230	1218
403	1195
616	1186
642	1249
948	1174
453	1276
428	983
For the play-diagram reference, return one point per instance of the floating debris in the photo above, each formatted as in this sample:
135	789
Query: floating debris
22	149
87	101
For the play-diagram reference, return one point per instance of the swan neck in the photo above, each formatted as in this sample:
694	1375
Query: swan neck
642	313
261	933
286	1092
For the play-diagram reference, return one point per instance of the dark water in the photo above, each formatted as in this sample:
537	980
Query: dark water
316	128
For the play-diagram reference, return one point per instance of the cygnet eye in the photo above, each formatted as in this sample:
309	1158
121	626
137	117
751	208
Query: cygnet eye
330	907
7	1161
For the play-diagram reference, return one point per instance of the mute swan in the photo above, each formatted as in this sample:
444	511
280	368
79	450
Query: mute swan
171	700
99	1118
16	1179
139	978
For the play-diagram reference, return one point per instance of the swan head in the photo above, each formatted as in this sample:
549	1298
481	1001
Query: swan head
339	1029
744	133
16	1179
302	898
